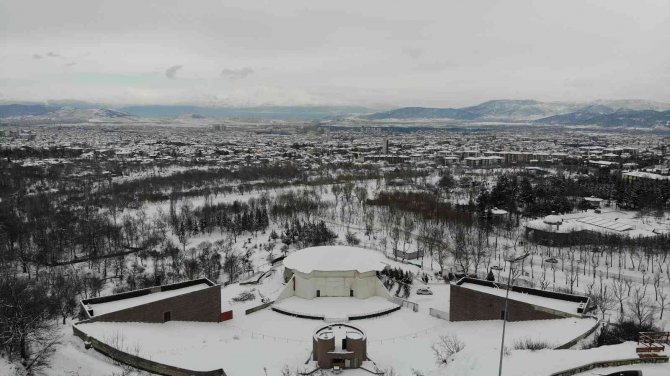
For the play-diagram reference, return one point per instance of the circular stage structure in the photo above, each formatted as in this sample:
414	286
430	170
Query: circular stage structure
333	271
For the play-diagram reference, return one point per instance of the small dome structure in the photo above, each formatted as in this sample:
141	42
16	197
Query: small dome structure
552	219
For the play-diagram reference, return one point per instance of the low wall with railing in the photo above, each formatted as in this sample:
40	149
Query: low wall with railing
610	363
405	303
139	362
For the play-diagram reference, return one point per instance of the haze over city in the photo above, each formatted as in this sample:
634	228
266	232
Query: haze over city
378	54
296	188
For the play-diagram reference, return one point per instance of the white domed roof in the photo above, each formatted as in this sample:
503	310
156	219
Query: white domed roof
553	219
335	258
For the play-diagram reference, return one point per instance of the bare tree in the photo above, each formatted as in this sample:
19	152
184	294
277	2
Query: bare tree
604	299
408	227
27	328
619	292
446	347
640	306
656	281
662	301
460	251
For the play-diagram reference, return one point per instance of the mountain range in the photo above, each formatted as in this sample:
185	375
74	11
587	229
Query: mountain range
80	110
616	113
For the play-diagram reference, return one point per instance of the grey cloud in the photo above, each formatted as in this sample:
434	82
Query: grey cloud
53	54
236	73
37	56
413	52
71	64
171	72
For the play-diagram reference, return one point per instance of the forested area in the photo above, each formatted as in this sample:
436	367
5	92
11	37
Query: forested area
71	231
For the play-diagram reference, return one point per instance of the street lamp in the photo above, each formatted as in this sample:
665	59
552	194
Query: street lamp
509	281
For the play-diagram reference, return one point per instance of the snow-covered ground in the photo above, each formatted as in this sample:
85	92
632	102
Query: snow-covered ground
662	369
402	340
334	307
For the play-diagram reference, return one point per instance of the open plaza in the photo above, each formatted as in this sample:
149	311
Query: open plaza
326	308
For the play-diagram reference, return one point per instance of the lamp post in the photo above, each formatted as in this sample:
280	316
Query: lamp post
511	261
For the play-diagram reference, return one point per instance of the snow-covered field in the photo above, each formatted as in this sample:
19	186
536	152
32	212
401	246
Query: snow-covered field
334	307
267	340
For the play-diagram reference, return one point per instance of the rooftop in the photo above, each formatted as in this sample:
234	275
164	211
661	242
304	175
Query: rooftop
555	301
339	332
118	302
335	258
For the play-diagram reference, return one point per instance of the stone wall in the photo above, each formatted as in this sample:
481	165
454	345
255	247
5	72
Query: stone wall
471	305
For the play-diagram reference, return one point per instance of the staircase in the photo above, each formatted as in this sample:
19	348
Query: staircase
649	344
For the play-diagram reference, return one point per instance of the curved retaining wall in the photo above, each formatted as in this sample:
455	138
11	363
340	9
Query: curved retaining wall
322	317
299	315
258	308
610	363
587	333
141	363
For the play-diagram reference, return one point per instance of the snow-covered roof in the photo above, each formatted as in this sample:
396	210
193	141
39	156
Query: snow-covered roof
118	305
551	303
335	258
553	219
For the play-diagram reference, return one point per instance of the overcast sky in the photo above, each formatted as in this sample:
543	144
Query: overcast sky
362	52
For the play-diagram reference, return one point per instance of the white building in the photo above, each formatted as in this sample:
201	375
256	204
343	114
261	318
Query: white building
333	271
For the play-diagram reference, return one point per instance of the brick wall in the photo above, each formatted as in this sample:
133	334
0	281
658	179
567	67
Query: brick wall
470	305
200	305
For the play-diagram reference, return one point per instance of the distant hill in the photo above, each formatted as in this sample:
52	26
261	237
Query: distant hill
423	113
269	112
616	113
496	110
604	113
502	110
618	118
10	110
69	115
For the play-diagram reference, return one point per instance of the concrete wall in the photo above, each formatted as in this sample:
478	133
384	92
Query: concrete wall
471	305
439	314
139	362
288	291
611	363
201	305
258	308
334	284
